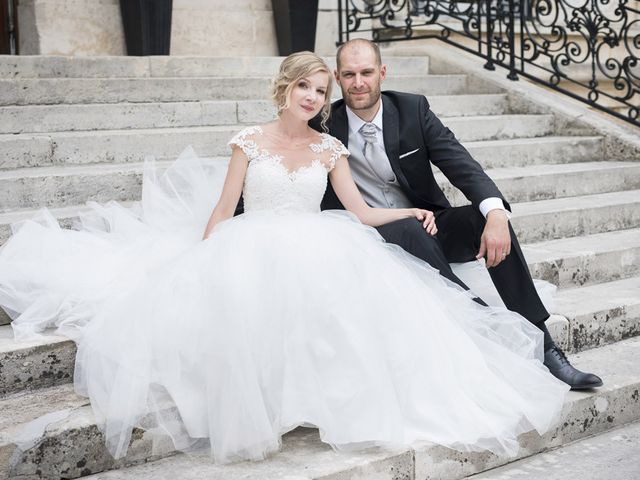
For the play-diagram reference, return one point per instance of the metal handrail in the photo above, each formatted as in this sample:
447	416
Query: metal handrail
586	49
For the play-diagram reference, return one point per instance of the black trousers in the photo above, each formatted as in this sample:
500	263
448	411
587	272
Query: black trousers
457	241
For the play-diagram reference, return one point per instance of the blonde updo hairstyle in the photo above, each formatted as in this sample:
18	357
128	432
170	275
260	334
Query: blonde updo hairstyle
296	66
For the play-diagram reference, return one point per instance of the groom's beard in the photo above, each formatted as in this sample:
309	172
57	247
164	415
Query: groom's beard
363	103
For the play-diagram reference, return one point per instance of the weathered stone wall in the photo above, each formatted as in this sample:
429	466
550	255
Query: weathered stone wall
94	27
199	27
221	27
70	27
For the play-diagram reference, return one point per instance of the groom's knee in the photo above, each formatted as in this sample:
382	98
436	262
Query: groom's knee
412	237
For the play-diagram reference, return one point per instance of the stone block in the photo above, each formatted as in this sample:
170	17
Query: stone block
304	457
601	314
116	116
536	151
222	31
576	216
36	364
57	187
587	260
71	27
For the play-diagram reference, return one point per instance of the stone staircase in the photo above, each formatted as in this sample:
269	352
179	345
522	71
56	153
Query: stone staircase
78	129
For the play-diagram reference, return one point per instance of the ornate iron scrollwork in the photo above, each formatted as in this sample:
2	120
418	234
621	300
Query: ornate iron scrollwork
587	49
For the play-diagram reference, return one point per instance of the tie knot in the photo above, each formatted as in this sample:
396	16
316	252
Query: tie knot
369	132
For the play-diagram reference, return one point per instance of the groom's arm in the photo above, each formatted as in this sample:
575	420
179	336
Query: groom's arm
447	153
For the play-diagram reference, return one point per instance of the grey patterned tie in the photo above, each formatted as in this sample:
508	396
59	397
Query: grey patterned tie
374	155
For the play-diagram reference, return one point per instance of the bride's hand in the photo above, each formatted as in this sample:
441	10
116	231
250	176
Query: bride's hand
427	218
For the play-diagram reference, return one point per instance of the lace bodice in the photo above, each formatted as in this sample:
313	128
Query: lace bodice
270	185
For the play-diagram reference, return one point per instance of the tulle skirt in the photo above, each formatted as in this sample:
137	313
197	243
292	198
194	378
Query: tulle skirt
277	320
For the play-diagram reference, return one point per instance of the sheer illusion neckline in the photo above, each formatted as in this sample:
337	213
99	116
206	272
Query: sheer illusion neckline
315	147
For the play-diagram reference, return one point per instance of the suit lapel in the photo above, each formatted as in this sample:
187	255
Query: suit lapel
391	135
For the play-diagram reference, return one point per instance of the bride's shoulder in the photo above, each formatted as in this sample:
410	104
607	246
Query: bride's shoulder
245	140
334	148
244	135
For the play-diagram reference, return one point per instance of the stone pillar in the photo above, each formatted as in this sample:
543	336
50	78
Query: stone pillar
70	27
94	27
327	29
223	27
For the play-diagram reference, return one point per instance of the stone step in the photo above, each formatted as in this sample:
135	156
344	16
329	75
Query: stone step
69	185
521	152
587	317
593	315
47	91
576	216
540	182
66	186
534	221
586	260
608	456
123	146
36	150
45	66
66	217
496	127
600	314
111	116
72	446
31	365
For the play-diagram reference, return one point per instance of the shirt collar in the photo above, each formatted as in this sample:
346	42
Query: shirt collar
356	123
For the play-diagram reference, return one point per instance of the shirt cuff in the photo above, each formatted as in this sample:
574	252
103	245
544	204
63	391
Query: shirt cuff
492	203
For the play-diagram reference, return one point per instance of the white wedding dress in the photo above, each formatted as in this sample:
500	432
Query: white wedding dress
284	316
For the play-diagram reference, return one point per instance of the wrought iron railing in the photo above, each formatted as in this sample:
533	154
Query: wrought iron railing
587	49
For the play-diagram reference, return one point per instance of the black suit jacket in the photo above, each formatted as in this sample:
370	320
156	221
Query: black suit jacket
408	125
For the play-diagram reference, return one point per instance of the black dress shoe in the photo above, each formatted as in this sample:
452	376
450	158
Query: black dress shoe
558	364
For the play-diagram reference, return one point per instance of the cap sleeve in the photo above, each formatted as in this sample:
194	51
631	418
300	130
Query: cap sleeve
245	140
336	149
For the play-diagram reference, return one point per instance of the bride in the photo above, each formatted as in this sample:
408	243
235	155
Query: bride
280	317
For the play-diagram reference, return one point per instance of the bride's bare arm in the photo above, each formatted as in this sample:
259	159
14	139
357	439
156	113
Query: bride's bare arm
350	196
231	190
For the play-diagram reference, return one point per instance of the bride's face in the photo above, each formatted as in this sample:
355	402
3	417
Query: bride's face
308	96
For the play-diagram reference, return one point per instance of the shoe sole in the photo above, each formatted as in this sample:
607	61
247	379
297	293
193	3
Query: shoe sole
587	387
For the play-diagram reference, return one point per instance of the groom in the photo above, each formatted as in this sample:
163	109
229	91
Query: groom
393	138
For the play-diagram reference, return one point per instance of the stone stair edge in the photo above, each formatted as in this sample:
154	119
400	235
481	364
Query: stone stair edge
496	173
266	77
43	119
47	91
583	318
585	413
574	202
576	216
599	314
70	106
58	66
518	151
107	145
30	187
471	118
632	196
575	262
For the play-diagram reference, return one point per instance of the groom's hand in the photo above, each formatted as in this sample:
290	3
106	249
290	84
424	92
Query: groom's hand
495	243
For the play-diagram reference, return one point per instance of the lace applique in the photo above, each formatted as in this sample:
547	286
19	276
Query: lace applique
247	145
268	183
332	144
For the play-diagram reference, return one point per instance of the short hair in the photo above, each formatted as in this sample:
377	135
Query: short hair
359	41
296	66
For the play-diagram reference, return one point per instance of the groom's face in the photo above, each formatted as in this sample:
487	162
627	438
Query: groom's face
360	76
